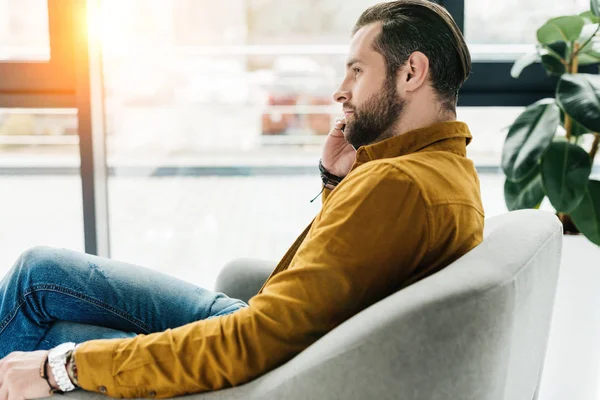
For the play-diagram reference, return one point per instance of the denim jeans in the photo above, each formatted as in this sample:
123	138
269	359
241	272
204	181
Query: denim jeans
52	296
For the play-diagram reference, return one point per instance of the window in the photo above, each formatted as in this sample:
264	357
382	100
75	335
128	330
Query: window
513	21
37	67
489	126
24	34
40	181
39	142
240	90
312	22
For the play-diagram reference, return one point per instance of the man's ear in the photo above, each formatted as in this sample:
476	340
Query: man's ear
414	72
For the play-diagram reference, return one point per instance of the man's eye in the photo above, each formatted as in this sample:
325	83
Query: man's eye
356	70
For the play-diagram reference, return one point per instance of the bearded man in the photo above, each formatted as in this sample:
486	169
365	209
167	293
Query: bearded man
401	201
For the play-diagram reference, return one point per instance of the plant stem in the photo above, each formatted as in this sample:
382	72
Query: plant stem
595	146
568	126
575	59
572	69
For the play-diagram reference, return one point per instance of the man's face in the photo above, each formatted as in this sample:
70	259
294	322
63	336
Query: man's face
369	97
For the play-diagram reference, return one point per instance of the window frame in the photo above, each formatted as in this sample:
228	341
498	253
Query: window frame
502	89
45	84
66	81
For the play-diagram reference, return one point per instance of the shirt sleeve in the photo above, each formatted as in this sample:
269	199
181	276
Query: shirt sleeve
325	194
368	238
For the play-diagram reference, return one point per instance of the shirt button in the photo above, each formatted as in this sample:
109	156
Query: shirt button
102	389
152	393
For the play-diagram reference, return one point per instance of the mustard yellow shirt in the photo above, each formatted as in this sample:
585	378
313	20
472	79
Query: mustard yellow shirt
410	206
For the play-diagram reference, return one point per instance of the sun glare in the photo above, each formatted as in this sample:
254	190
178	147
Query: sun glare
107	24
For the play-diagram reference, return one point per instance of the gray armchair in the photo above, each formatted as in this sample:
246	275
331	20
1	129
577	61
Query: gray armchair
477	330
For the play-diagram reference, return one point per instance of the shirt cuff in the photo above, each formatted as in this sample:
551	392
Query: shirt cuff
325	194
94	360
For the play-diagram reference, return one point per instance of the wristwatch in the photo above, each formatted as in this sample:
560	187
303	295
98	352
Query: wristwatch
57	358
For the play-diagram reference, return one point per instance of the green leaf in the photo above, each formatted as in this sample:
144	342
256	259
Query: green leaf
590	52
587	215
595	7
588	39
565	170
576	129
523	62
579	96
588	31
559	49
587	59
526	194
564	29
592	47
589	17
552	65
528	138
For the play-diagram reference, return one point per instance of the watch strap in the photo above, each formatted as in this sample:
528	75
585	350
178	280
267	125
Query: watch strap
44	374
329	180
57	358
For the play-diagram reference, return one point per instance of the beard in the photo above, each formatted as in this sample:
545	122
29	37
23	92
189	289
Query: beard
373	120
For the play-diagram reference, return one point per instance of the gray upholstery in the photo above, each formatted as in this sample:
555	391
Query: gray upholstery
243	278
476	330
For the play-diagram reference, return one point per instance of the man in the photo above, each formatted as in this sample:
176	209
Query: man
407	206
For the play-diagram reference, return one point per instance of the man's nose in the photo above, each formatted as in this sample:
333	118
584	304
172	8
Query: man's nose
341	95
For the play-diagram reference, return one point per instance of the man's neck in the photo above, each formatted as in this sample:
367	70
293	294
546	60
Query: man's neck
421	115
418	122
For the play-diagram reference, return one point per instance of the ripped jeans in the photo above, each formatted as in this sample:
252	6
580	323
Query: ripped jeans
52	296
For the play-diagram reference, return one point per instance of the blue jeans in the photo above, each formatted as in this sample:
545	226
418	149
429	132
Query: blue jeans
52	296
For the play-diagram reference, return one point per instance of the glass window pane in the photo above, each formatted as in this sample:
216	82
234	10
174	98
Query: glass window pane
232	22
489	126
191	225
24	34
214	129
206	110
513	21
303	21
40	201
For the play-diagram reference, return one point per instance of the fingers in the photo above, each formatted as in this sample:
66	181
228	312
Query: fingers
14	396
4	392
338	127
4	364
3	369
339	123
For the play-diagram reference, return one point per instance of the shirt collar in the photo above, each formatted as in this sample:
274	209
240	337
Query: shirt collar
418	139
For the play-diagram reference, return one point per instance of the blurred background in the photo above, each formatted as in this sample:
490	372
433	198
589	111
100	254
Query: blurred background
194	138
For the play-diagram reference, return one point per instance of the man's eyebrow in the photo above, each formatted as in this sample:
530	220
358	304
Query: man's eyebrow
353	61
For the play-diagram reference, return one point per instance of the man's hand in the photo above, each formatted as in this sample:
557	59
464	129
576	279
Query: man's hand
20	376
338	155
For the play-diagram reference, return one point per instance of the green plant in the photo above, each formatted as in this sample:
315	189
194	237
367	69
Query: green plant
544	151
